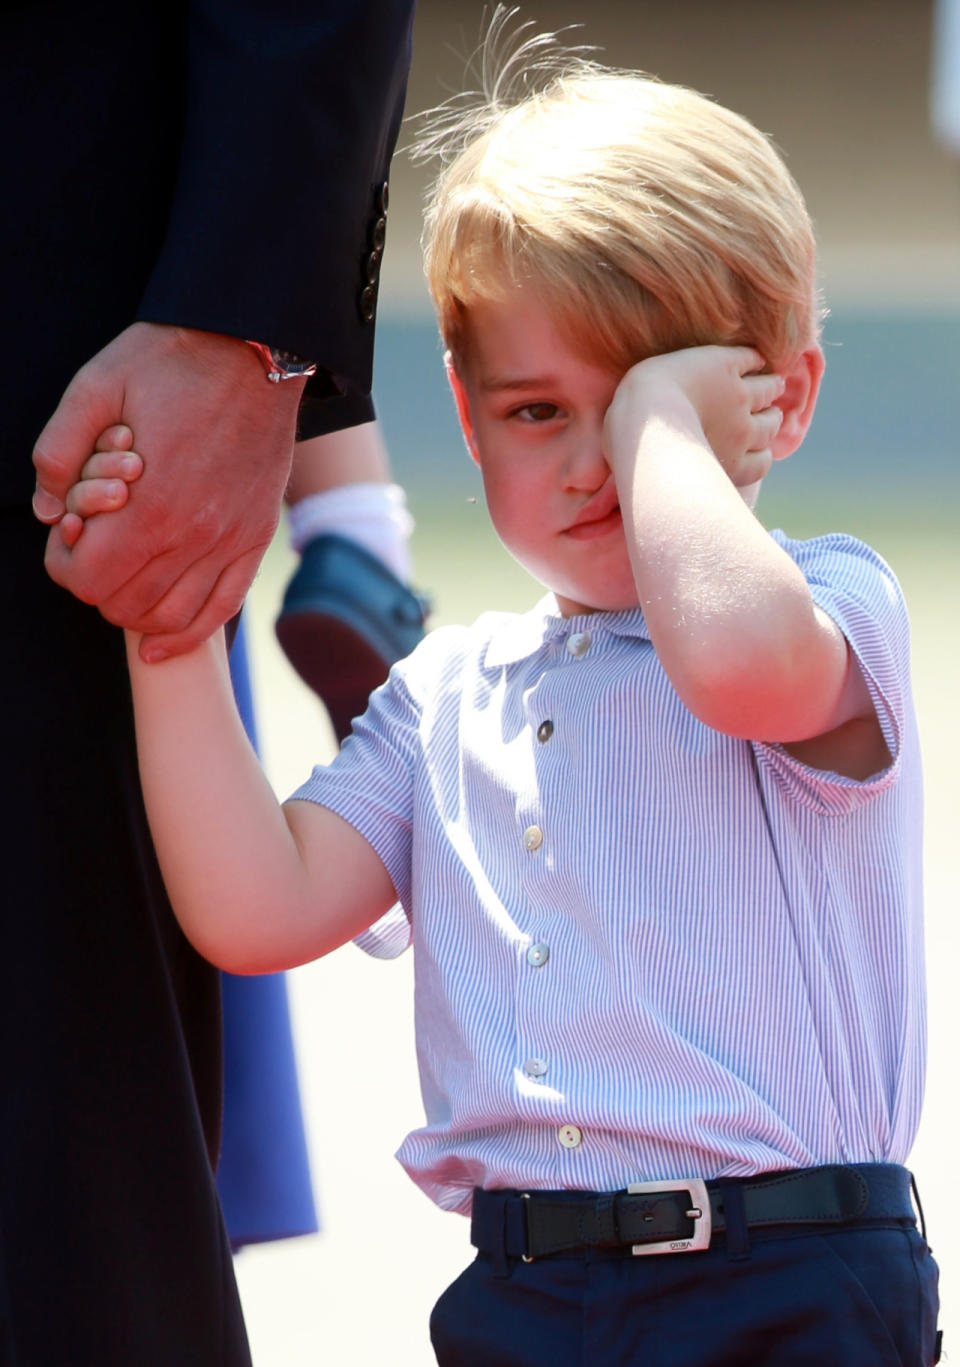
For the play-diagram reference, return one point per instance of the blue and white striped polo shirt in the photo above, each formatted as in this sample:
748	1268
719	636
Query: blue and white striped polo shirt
644	949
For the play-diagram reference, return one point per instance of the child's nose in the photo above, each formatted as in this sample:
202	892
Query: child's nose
586	465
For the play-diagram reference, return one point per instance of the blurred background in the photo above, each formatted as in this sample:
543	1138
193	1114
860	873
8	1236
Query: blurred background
843	87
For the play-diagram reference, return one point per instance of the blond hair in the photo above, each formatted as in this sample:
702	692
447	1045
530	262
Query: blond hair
646	216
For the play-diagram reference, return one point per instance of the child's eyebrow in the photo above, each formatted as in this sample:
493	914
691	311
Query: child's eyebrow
495	384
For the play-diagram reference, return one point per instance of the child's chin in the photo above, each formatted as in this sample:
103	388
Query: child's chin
587	602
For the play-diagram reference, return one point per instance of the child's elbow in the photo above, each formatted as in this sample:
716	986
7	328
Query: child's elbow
224	953
239	960
226	946
751	696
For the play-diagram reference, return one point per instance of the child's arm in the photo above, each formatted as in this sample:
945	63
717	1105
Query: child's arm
256	887
729	612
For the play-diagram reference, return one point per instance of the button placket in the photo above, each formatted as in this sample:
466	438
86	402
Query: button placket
536	985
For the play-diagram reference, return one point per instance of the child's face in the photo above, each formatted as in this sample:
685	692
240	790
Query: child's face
532	411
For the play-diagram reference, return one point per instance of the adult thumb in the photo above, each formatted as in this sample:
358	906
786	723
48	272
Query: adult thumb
90	403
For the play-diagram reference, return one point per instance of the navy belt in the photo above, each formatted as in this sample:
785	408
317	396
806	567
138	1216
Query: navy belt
681	1216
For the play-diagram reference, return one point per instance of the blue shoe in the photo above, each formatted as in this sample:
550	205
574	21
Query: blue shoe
345	619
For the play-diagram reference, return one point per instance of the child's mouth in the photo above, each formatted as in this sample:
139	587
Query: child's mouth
600	526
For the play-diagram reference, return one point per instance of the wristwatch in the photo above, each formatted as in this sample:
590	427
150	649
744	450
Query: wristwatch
283	365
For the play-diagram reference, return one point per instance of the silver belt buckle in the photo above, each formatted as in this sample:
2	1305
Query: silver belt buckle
698	1212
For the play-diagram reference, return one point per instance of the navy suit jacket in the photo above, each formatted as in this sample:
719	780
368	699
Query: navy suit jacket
217	164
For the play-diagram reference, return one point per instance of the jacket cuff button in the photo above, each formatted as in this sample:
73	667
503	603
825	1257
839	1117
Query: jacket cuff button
368	304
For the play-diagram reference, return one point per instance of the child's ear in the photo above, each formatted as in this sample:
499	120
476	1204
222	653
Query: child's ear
798	400
463	405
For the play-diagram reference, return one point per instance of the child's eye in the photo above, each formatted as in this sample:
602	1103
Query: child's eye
537	412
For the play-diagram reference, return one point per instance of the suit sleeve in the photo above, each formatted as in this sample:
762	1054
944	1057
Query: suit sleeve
279	211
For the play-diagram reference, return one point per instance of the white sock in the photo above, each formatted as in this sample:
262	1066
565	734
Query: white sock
376	516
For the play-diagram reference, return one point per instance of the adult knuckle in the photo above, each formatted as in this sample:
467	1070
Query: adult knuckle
133	606
87	589
225	603
114	614
163	617
205	525
61	565
173	620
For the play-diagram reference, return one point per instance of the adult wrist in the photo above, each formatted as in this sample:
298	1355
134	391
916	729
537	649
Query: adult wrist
222	356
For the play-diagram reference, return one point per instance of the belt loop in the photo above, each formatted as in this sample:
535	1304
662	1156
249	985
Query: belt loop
735	1220
499	1265
916	1201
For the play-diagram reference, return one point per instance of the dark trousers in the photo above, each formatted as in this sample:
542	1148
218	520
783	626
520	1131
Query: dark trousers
860	1297
112	1248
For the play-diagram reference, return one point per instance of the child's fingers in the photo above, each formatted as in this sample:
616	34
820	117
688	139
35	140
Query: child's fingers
102	487
92	496
751	468
70	526
748	360
763	390
764	427
111	464
116	437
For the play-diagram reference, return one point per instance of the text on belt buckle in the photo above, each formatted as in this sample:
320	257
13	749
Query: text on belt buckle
698	1212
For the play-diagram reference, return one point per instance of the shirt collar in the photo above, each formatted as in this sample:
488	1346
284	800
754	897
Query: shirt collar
516	638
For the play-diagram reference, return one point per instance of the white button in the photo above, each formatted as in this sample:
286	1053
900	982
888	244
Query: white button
538	954
570	1136
532	838
535	1067
579	643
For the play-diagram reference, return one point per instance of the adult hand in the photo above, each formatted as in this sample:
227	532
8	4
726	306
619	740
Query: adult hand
216	441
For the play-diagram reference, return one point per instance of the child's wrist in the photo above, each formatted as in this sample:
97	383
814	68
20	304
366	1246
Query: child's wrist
643	405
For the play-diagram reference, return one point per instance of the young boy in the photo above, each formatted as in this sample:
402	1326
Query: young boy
659	838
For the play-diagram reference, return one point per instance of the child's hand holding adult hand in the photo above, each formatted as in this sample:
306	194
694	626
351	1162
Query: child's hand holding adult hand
718	389
102	486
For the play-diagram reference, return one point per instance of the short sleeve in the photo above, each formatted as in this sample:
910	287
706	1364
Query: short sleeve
371	781
856	588
387	938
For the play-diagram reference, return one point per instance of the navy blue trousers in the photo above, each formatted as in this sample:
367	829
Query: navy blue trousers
857	1297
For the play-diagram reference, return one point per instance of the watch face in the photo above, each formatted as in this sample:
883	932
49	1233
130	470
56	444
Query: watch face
282	365
289	364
